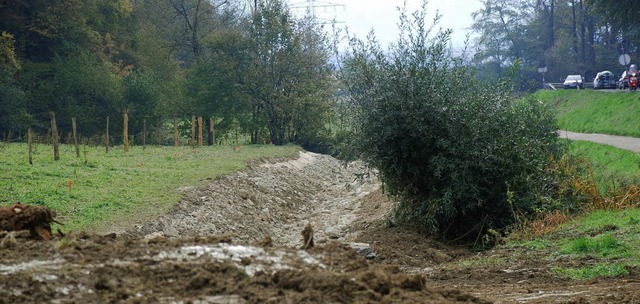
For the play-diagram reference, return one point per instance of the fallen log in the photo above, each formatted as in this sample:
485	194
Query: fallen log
36	219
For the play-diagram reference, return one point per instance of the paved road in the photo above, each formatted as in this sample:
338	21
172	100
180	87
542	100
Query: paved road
622	142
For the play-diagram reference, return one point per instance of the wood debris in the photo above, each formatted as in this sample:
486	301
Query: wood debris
36	219
307	237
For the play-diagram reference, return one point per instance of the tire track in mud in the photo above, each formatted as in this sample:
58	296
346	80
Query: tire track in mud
277	200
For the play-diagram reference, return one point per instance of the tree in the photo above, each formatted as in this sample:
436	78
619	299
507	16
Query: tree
460	155
513	31
622	12
288	77
566	36
271	78
60	45
13	112
504	34
186	24
217	83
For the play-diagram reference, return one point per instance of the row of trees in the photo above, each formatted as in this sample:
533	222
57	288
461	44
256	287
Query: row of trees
254	68
566	36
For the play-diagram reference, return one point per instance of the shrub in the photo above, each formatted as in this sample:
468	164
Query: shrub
462	156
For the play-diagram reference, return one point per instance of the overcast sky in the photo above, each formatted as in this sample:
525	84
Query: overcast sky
360	16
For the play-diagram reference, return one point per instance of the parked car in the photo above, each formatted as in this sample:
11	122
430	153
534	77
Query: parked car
623	82
573	82
604	80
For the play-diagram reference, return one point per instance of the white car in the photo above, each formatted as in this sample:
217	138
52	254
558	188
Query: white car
573	82
604	80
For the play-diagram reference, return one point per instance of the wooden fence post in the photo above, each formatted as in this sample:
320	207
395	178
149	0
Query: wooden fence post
212	134
75	136
200	131
193	130
126	130
54	135
30	139
159	132
106	143
175	130
144	133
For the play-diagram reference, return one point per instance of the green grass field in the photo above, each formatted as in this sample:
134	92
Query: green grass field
611	167
99	189
589	111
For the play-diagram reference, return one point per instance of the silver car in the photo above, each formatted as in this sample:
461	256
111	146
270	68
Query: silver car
573	82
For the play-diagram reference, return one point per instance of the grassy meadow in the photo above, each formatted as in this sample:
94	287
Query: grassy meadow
611	167
589	111
99	189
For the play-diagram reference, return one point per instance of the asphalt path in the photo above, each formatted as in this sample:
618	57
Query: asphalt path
622	142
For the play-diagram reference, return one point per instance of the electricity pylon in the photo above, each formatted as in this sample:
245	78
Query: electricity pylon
310	7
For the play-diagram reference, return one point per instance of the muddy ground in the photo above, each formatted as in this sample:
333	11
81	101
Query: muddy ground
239	240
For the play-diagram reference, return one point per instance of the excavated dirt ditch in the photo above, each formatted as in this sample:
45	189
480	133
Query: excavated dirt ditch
239	240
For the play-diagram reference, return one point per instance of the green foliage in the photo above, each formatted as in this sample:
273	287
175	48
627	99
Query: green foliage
449	147
78	86
108	186
13	112
620	13
216	83
289	76
600	270
506	36
604	245
143	93
269	78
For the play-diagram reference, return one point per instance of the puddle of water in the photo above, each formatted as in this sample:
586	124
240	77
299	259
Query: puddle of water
260	259
35	264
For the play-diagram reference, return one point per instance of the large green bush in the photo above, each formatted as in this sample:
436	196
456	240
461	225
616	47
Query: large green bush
461	156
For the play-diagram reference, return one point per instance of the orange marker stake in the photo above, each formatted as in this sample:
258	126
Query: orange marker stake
70	184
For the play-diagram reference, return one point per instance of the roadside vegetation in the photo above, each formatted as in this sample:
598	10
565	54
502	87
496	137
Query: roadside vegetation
598	239
100	190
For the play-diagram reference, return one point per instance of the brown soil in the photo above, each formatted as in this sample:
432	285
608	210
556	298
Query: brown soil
240	239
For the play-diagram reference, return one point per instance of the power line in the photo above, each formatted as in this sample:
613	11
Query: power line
310	7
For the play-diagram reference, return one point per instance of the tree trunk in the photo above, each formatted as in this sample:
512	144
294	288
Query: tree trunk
583	44
552	38
574	28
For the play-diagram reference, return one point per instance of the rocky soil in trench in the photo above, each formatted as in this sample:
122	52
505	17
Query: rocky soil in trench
240	239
